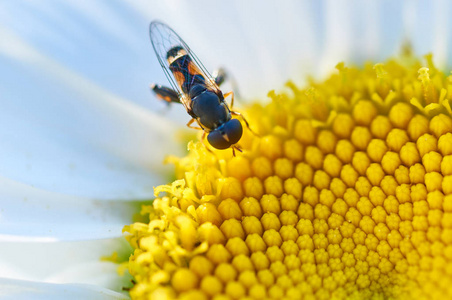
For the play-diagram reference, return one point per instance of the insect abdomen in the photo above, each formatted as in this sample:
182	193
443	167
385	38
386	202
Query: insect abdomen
183	69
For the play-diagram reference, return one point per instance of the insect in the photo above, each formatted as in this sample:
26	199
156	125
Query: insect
194	87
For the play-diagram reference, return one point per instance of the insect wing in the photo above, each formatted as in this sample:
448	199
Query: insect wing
163	38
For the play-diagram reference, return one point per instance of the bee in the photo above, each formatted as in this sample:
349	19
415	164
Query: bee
194	88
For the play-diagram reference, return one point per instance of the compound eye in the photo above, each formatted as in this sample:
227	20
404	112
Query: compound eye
226	135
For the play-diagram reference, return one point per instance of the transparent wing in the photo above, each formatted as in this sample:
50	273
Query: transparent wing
163	38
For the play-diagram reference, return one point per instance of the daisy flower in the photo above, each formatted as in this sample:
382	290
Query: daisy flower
326	188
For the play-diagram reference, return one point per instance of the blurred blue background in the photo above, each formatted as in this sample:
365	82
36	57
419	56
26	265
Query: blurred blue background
107	41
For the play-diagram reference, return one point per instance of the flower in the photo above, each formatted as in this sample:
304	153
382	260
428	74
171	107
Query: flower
77	132
345	193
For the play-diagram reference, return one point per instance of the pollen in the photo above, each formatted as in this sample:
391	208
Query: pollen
344	192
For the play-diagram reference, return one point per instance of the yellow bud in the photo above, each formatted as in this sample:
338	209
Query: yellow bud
201	266
304	173
426	143
232	228
314	157
343	125
432	161
229	209
276	292
376	150
390	162
305	227
367	224
332	165
272	238
401	114
211	285
361	137
283	168
345	151
326	141
349	175
338	187
322	211
447	204
396	139
445	144
253	187
305	132
252	225
375	174
237	246
266	277
184	280
250	207
402	175
208	212
293	150
242	263
232	188
377	196
321	180
391	205
289	202
409	154
360	162
380	127
211	234
417	173
440	124
304	242
288	218
270	204
447	185
248	279
270	221
235	290
418	126
388	185
273	185
305	211
433	181
274	253
288	232
260	261
271	147
353	216
262	167
378	214
446	165
364	112
363	186
239	167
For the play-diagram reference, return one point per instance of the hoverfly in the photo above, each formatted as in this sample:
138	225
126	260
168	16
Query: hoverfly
194	87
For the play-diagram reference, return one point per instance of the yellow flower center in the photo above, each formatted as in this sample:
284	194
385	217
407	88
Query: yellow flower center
345	193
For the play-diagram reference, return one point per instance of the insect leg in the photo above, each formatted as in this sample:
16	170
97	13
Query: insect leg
234	148
219	75
194	127
232	97
165	93
235	113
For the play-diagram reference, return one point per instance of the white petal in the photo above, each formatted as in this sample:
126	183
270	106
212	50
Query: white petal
63	262
33	214
18	289
84	140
